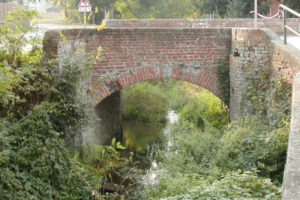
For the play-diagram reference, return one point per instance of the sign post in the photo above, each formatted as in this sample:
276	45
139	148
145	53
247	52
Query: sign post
84	6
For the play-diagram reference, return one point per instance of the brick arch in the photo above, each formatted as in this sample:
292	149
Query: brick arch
204	78
132	55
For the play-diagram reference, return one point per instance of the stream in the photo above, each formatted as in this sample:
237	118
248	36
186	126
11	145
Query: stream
145	139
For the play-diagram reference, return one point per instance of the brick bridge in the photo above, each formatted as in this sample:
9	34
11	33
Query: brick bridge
134	55
138	50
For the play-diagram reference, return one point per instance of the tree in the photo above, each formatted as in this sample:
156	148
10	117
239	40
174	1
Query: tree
63	5
175	9
294	4
134	9
241	9
99	10
168	8
236	8
212	6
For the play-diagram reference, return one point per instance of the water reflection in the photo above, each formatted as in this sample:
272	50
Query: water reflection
145	139
139	136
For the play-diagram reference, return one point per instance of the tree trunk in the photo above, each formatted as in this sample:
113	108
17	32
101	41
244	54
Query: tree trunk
66	10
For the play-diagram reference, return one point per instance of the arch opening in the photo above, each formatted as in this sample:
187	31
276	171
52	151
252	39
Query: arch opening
152	103
165	100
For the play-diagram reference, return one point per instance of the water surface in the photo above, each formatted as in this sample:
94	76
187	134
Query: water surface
145	139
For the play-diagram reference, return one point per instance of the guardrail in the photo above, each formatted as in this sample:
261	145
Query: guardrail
285	26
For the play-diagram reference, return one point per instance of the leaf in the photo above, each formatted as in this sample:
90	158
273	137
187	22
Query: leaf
103	24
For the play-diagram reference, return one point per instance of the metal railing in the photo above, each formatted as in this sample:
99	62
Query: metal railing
285	26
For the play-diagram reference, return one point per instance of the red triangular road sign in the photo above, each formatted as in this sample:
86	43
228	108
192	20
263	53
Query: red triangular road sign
84	4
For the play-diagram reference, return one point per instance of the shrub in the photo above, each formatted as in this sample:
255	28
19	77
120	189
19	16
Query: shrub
192	150
145	102
204	110
113	170
234	185
206	163
14	61
40	109
264	90
180	93
249	143
238	185
203	164
35	162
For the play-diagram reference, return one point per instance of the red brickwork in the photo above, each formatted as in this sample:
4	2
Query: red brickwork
134	55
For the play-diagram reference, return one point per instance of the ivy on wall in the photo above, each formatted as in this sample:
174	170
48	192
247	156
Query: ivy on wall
224	80
268	96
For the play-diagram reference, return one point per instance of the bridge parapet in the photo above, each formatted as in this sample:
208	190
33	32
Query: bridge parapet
291	180
275	24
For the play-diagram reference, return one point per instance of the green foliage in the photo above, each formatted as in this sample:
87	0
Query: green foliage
131	9
212	6
35	162
249	143
192	151
182	9
292	4
236	9
64	5
208	163
180	93
40	110
145	102
205	110
260	141
155	9
237	185
12	55
138	135
171	9
141	9
13	39
224	81
241	9
111	168
241	185
192	168
167	9
233	185
265	90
